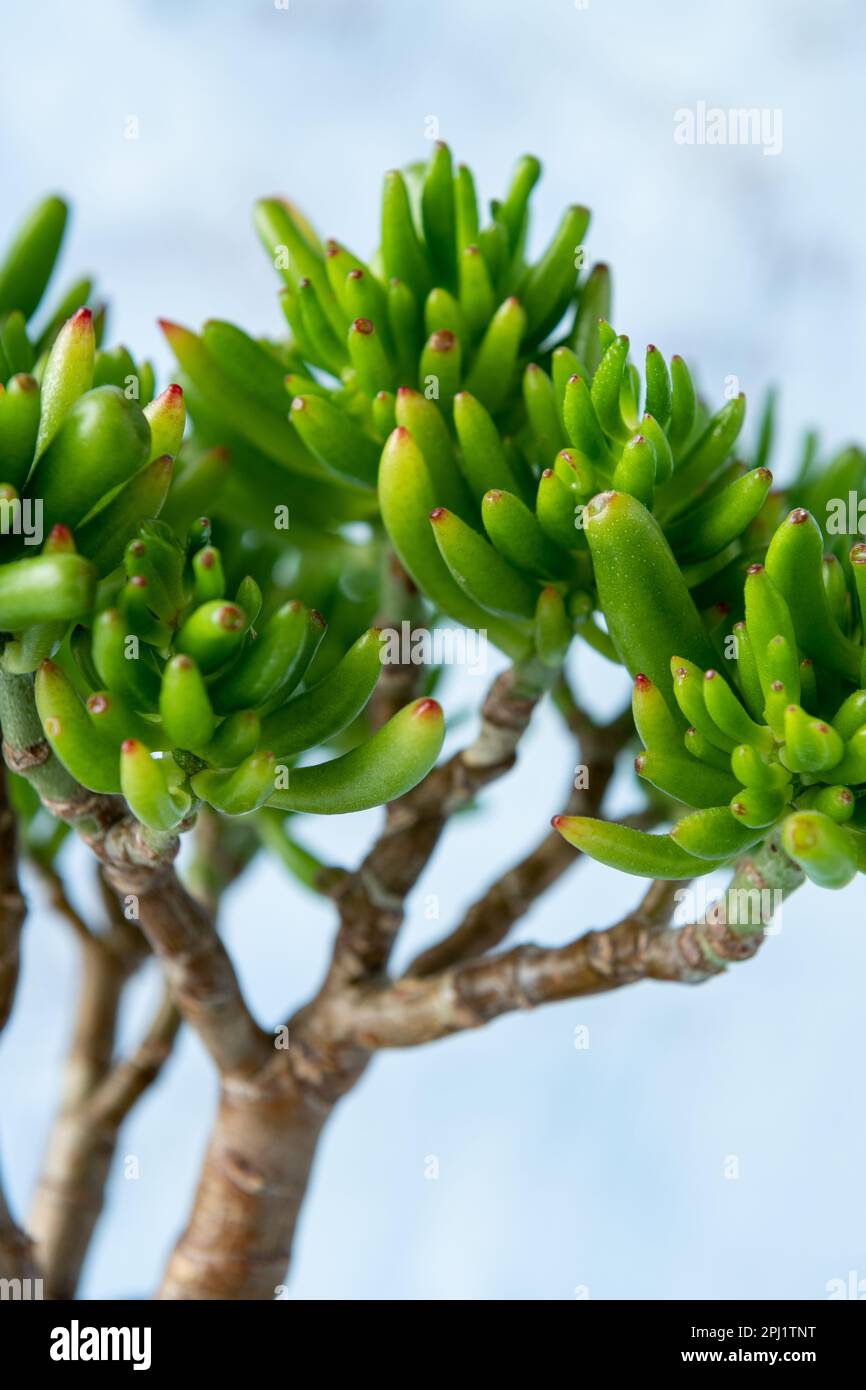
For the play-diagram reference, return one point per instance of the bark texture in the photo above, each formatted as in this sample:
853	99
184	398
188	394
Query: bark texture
238	1240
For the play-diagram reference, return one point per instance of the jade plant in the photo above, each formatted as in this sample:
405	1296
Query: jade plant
450	431
773	719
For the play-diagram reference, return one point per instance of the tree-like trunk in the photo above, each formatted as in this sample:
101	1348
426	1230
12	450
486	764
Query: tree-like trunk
256	1170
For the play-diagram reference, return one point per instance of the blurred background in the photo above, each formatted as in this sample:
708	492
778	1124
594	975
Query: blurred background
706	1143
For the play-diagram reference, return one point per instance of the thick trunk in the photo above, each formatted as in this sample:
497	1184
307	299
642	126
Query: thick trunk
239	1237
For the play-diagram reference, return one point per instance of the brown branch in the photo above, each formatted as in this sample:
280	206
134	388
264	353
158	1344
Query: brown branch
371	900
489	920
16	1250
642	946
197	966
139	866
70	1192
470	993
130	1077
59	902
181	932
13	908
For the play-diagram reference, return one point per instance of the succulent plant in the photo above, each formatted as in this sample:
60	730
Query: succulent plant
533	486
178	669
502	396
83	446
767	738
449	430
164	689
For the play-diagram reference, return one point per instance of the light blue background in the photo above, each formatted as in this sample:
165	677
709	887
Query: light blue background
559	1168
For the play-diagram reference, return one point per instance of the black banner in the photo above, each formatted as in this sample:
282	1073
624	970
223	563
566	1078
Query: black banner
87	1338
